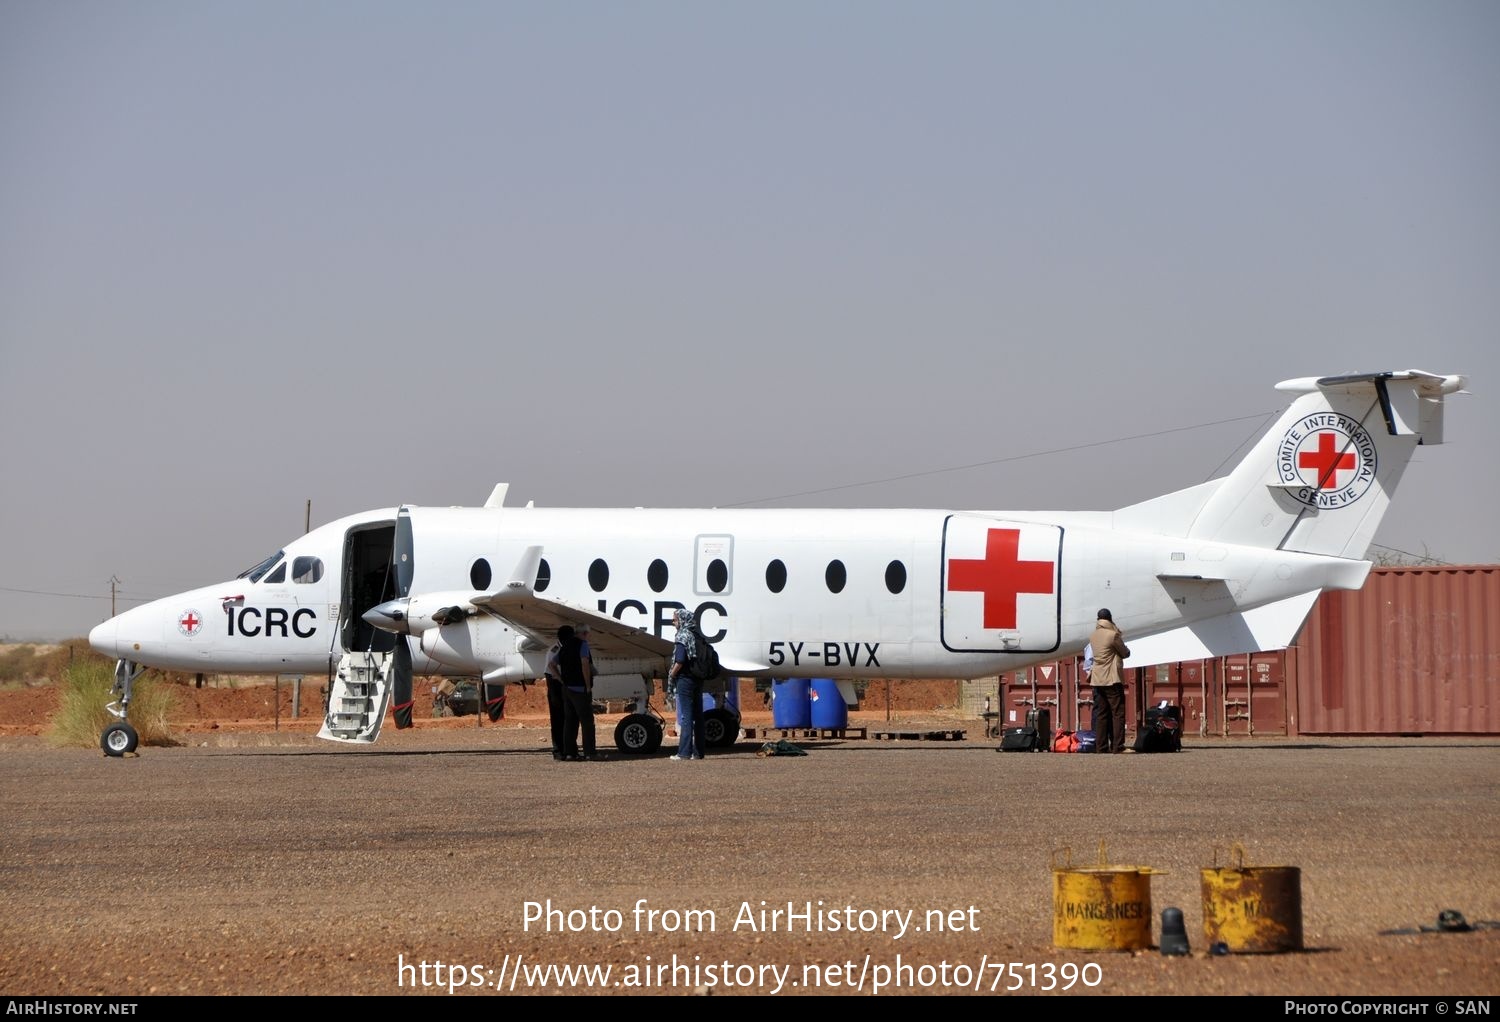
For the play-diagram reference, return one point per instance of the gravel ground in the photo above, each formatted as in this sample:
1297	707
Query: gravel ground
278	864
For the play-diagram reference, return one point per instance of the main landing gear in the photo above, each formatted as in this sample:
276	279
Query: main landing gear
639	733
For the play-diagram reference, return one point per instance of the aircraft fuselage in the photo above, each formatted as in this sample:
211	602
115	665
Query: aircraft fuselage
829	593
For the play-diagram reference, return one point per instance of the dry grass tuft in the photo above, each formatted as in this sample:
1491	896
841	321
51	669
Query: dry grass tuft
85	691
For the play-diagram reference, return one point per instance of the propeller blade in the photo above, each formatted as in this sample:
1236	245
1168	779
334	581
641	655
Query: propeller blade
401	699
402	552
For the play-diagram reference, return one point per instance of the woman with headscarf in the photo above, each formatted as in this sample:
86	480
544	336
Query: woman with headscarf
688	688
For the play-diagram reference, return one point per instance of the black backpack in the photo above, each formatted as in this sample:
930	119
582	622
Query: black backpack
570	663
704	664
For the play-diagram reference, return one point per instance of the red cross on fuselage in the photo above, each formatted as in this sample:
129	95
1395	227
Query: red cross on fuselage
1326	462
1001	576
190	621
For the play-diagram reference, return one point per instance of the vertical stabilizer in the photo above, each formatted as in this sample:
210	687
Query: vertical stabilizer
1320	479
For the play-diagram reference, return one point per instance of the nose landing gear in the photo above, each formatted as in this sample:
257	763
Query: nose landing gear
119	738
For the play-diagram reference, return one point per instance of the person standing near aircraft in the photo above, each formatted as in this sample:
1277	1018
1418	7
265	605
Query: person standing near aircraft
556	701
1107	677
689	689
576	668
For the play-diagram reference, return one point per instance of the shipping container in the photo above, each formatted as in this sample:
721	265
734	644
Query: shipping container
1416	651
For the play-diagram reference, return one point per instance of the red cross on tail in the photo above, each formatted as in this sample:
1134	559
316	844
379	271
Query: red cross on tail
1327	462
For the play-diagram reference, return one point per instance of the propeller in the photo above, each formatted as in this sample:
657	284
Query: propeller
401	559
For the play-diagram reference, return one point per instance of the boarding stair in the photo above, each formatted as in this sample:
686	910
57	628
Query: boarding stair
361	693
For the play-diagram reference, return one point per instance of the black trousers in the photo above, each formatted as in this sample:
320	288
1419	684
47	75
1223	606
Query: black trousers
578	717
556	712
1109	718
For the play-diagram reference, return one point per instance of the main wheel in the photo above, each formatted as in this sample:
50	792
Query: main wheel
638	734
721	729
118	739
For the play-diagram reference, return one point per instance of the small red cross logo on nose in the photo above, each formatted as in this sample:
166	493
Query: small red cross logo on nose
189	622
1001	577
1327	462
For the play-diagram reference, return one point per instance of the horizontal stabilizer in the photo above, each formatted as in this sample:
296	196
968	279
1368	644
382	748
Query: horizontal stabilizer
1273	626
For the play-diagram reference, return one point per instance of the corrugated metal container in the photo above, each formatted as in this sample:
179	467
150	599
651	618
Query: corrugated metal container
1191	684
1415	652
1055	687
1254	694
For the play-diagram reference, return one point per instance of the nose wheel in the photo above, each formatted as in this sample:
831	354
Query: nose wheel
119	739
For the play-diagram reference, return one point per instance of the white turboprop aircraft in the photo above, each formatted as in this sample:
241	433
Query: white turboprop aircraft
1229	566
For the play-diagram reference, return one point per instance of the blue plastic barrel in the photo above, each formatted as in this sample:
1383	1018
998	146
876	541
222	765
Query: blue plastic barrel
828	707
790	703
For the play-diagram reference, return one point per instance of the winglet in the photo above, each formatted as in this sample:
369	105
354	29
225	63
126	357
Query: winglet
523	578
497	495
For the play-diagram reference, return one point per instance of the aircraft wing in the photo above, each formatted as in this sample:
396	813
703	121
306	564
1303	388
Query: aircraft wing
609	638
540	618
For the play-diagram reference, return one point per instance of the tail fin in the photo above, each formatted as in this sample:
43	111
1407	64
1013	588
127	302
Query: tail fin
1321	478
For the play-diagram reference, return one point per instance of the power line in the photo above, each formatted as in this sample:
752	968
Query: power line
1002	461
76	596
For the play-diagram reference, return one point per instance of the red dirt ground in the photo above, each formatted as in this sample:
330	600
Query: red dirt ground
252	705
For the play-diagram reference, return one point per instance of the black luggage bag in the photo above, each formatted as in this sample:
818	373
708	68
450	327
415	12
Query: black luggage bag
1019	739
1035	736
1161	731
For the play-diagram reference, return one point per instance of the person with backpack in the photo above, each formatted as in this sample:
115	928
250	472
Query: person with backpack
689	689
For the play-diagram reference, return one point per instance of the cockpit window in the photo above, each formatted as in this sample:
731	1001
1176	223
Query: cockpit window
278	575
307	569
254	574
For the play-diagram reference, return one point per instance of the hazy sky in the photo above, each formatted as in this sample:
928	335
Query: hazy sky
365	253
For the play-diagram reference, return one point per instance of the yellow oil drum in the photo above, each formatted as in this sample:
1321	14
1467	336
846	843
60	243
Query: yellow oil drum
1101	908
1253	909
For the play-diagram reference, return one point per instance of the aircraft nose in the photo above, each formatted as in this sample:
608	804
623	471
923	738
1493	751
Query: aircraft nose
105	638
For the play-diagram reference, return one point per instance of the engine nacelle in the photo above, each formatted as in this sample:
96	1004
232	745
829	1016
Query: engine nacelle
483	647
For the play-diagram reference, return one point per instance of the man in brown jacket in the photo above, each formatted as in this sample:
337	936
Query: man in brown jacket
1108	681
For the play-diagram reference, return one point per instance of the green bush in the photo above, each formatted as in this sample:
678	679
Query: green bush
83	694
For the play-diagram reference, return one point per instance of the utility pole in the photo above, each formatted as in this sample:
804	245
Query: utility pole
112	583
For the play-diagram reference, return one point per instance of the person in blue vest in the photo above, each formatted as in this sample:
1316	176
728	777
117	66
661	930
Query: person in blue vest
689	689
575	666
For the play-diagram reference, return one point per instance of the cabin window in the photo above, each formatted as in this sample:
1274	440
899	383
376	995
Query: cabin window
718	575
598	575
479	574
306	570
836	576
543	575
656	575
776	576
279	575
895	576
